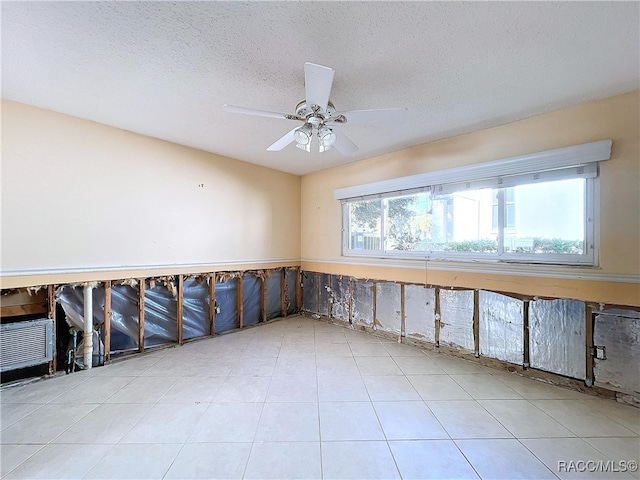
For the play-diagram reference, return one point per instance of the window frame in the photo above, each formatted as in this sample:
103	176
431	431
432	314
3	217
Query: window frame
588	170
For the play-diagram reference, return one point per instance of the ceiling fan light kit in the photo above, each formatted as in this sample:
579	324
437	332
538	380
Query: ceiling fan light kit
320	115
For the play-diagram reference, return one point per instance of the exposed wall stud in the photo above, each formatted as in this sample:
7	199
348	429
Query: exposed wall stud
437	315
240	304
141	288
374	294
51	313
212	304
350	300
298	289
179	309
283	293
403	332
107	321
476	322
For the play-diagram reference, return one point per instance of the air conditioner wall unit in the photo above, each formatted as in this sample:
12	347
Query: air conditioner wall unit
25	344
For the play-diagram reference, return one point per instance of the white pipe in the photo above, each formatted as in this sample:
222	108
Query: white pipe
88	326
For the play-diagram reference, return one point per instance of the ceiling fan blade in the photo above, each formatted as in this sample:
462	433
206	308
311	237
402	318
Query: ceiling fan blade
283	141
343	144
259	113
385	116
317	84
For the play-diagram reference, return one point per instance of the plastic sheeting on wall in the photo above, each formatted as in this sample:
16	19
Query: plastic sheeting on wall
274	299
388	307
362	303
420	313
619	332
292	275
310	292
557	337
227	300
160	316
456	319
124	317
251	294
340	297
195	308
501	327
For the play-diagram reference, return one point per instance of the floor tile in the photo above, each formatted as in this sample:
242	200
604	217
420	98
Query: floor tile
483	387
457	366
243	389
417	365
368	350
295	349
503	459
618	449
333	350
525	420
390	388
568	457
536	390
336	366
349	421
60	462
342	388
206	461
408	421
107	423
193	390
330	336
438	387
253	366
143	390
398	350
284	460
166	423
377	366
431	459
94	390
135	461
354	336
227	422
295	422
292	366
582	419
12	456
467	419
358	460
10	413
626	415
293	389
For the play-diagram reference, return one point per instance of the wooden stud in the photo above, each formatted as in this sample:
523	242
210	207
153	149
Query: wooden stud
240	304
107	321
28	309
51	313
588	317
263	299
179	310
476	322
212	303
141	288
350	300
283	293
437	315
403	318
526	361
298	289
374	294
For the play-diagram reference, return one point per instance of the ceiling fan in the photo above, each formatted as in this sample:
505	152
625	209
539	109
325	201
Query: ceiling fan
320	116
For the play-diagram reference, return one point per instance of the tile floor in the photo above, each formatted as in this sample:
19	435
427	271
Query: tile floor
301	398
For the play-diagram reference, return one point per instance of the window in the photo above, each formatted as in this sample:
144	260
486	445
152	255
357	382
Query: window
540	216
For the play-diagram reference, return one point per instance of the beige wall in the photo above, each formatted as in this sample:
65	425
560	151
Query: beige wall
81	195
615	280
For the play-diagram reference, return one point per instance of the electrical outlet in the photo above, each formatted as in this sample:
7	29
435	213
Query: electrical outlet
600	352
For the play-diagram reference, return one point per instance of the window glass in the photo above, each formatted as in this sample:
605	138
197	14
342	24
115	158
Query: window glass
407	222
365	225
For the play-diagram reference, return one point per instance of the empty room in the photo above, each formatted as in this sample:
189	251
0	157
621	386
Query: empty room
320	240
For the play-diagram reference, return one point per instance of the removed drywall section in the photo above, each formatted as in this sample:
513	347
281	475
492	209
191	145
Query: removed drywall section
363	302
310	295
388	307
274	292
340	298
618	331
251	286
456	325
501	327
227	300
557	337
195	308
420	314
160	314
290	299
323	293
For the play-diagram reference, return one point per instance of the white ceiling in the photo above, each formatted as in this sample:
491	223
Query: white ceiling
165	69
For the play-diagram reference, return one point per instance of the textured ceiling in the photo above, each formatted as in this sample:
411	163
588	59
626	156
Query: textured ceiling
166	69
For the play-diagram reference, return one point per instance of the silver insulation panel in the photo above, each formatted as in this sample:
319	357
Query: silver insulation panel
557	337
292	275
274	301
340	297
310	292
456	319
619	332
388	307
362	303
420	313
323	302
501	327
